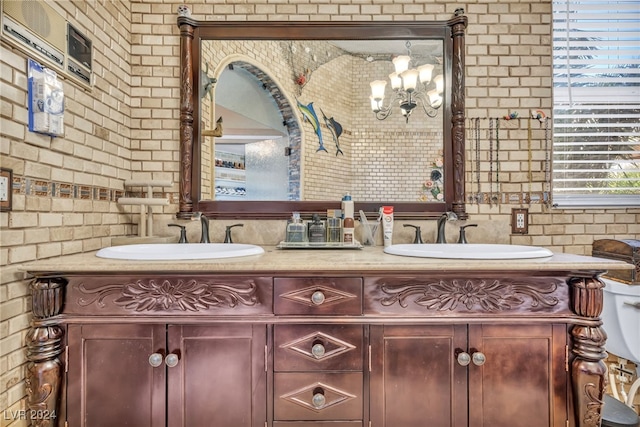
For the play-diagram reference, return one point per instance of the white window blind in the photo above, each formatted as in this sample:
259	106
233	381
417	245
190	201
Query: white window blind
596	103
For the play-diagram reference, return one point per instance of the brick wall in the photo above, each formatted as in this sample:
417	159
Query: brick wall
127	127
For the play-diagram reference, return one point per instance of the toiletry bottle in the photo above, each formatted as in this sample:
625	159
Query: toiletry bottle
348	228
317	231
387	225
334	227
347	206
347	231
296	230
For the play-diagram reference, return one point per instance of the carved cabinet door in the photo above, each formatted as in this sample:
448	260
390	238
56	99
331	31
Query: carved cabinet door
517	377
111	380
415	379
219	378
166	375
476	375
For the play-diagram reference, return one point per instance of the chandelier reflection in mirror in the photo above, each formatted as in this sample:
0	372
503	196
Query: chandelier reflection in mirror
408	93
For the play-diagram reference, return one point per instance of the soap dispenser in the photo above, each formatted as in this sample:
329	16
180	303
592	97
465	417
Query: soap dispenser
296	230
317	230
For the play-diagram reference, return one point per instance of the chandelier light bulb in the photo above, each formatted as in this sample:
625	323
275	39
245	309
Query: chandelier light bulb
410	80
401	63
396	81
375	104
425	73
439	81
377	89
435	99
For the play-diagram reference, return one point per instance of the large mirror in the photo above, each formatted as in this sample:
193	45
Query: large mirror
280	117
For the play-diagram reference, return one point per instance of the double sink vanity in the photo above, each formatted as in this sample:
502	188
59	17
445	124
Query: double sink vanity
318	338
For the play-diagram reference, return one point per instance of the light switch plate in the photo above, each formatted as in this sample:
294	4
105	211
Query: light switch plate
519	221
6	182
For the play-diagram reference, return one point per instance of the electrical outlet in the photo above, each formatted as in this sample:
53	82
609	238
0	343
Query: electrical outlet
6	182
519	221
4	188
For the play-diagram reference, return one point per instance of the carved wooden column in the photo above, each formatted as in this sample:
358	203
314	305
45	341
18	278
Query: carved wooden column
588	371
458	25
186	117
44	345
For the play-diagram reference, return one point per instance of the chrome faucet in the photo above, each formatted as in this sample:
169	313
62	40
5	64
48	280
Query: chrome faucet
442	221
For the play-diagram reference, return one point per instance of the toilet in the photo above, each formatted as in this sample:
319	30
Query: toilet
621	320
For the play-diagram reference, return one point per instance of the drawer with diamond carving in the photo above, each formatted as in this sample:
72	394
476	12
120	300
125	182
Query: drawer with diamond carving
318	296
318	347
318	396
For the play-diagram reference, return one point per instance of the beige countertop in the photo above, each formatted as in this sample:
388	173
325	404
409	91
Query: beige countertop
371	259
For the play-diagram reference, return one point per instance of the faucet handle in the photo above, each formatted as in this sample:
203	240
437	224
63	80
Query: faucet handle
227	233
183	232
463	236
418	238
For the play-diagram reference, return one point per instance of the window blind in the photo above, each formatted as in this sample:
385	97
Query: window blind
596	103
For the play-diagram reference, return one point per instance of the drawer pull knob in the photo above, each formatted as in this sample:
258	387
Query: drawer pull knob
318	350
155	360
171	360
318	401
479	358
463	358
317	297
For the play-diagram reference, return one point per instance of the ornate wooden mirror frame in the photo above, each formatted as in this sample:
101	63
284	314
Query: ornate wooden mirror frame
192	32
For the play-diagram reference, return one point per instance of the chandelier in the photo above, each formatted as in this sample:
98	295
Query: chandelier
408	93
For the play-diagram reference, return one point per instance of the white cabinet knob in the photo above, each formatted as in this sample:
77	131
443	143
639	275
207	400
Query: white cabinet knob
478	358
171	360
464	359
317	297
318	400
318	350
155	360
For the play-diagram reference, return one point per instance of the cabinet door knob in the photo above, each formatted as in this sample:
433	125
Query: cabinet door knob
318	351
171	360
317	297
318	400
155	360
479	358
463	358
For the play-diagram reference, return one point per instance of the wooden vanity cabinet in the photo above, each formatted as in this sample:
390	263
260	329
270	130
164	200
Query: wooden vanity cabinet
166	375
443	348
476	351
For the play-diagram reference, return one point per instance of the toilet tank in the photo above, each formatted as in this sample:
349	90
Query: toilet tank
621	319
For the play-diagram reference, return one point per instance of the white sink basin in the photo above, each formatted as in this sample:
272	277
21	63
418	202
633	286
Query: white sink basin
179	251
468	251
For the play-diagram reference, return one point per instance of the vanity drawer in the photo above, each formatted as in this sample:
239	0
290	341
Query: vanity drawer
318	296
318	347
318	396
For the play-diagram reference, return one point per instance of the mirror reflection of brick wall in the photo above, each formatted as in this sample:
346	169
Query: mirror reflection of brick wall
389	159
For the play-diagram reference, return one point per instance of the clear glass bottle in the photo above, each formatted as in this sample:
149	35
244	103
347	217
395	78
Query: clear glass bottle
317	230
296	230
334	230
